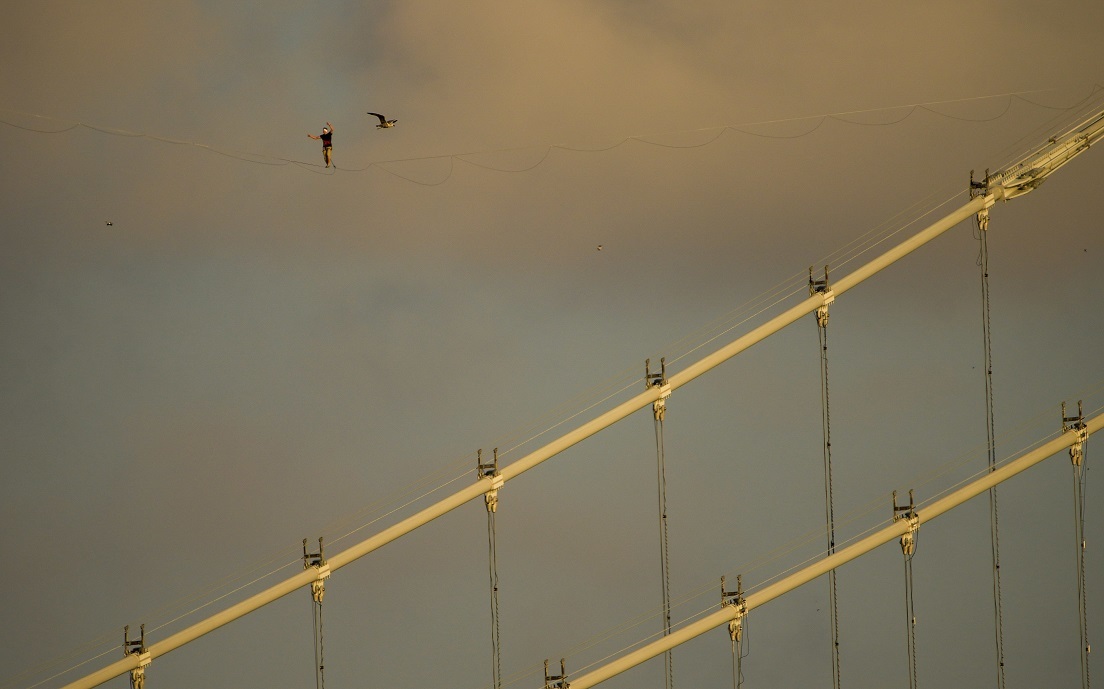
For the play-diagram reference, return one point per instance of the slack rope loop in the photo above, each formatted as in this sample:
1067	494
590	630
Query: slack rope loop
816	126
462	159
646	139
452	167
704	143
882	124
1007	107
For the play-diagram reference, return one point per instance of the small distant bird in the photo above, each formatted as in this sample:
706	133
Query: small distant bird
599	247
108	223
384	122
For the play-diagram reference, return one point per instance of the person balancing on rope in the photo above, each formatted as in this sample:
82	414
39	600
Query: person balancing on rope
327	145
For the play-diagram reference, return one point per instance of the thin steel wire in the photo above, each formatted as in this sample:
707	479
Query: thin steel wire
492	565
829	501
664	554
990	429
1080	475
910	616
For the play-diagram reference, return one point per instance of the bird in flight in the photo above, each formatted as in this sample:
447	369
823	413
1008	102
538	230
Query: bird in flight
108	223
384	122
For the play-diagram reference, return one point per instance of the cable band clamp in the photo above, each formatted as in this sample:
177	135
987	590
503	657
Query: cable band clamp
318	561
821	287
137	647
658	380
980	189
907	512
735	599
1077	425
555	681
490	472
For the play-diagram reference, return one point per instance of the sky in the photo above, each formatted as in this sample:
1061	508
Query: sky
212	347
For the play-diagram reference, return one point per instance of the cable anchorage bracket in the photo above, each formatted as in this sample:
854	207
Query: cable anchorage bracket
907	512
318	561
137	647
980	189
555	681
823	288
735	599
1077	425
490	472
658	380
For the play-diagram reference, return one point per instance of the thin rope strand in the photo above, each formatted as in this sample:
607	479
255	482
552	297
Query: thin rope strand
841	116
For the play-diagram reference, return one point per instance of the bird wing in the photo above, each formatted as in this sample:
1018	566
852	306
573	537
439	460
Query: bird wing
382	119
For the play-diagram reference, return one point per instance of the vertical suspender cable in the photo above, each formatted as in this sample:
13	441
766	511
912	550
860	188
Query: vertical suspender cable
737	671
908	549
496	648
659	410
319	657
990	429
910	620
316	562
1077	454
816	286
740	650
1079	517
490	471
664	555
321	650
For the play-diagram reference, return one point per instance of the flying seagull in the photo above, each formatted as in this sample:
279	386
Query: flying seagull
384	122
108	223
